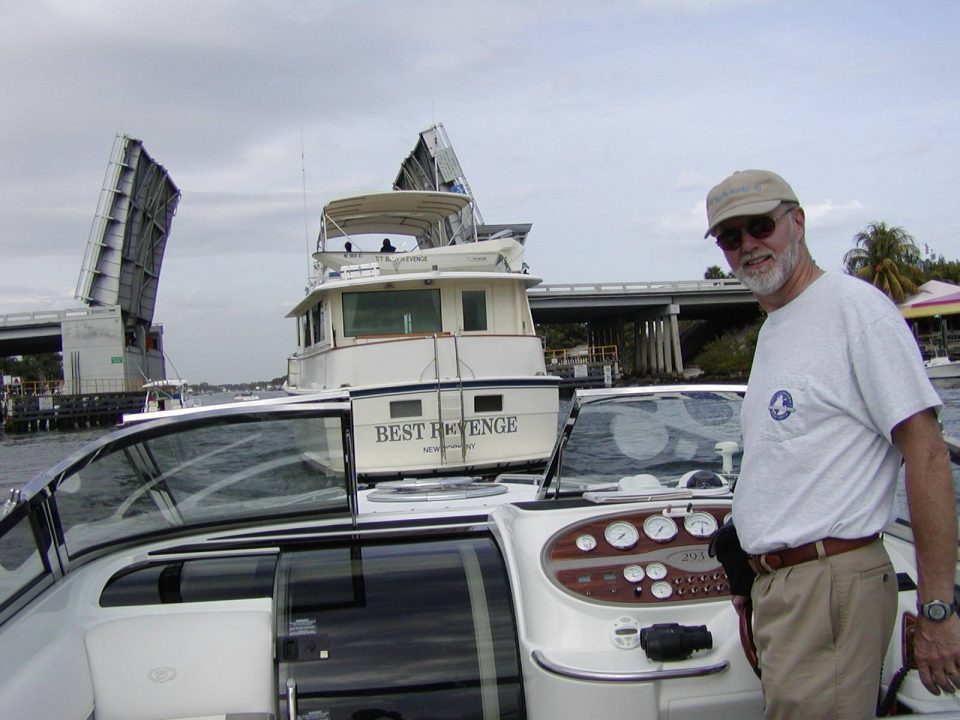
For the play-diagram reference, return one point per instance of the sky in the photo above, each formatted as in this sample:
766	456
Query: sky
604	124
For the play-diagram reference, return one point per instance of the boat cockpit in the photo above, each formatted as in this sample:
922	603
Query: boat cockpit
225	561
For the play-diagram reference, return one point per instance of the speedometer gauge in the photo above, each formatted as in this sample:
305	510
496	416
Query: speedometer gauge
700	524
660	528
621	535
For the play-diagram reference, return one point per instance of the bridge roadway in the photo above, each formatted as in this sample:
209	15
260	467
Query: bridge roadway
654	309
584	302
30	333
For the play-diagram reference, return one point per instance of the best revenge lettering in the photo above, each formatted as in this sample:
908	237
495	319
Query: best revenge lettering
404	432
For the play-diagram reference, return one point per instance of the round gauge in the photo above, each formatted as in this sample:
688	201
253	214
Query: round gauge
633	573
660	528
727	518
586	542
661	589
621	535
656	571
700	524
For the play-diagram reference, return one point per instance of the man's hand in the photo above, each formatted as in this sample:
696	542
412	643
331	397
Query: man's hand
933	518
936	647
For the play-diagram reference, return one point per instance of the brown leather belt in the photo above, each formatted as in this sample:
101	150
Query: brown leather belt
768	562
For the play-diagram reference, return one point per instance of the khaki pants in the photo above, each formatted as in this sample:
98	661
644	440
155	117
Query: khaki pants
821	630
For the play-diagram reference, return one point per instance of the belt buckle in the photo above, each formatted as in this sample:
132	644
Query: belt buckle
771	561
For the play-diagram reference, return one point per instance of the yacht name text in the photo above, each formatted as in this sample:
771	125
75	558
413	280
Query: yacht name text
403	432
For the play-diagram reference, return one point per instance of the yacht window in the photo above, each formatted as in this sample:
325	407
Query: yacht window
319	328
488	403
474	310
406	408
305	320
391	312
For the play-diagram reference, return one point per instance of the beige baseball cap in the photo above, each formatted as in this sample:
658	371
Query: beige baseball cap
746	192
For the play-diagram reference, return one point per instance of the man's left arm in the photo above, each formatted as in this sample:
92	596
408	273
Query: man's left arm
930	494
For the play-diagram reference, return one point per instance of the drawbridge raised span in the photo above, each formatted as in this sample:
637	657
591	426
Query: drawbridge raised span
111	342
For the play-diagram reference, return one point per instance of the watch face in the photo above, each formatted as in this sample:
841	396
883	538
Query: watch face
936	610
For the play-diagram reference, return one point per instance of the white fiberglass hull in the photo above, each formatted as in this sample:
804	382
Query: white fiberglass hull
942	368
492	407
519	434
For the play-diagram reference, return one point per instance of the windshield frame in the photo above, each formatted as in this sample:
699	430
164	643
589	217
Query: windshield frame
38	498
550	484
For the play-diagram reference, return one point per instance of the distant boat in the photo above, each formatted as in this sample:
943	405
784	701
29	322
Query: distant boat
244	396
942	367
167	395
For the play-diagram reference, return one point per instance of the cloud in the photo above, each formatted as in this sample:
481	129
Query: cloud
603	125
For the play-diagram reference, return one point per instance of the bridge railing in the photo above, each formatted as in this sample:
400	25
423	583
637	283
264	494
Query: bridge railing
592	355
46	317
43	388
628	287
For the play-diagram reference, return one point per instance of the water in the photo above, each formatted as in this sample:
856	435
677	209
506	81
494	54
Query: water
22	456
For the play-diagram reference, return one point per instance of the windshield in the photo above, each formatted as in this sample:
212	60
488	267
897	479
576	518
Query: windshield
231	470
666	435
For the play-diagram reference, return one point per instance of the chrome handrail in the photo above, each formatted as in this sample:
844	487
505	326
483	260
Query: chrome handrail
612	676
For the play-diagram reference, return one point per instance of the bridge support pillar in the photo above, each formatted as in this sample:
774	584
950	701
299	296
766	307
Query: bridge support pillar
673	339
656	344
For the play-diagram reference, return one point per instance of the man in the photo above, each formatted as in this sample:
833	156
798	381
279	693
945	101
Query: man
837	396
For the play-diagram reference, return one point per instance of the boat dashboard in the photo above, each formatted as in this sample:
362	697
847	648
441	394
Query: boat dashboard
637	558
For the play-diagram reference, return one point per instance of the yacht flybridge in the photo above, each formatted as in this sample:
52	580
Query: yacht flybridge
225	562
432	337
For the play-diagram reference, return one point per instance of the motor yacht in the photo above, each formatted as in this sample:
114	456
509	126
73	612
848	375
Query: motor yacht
433	338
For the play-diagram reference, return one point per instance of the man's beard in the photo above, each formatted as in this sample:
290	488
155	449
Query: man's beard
767	282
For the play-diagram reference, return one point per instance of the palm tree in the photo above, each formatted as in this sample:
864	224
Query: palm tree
887	257
715	272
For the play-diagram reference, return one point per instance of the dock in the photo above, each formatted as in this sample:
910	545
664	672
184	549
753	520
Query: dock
48	408
587	366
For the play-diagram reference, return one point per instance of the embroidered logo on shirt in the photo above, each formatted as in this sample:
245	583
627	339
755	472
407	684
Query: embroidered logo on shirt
781	405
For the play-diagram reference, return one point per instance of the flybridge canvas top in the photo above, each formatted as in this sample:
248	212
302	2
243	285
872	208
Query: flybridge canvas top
398	212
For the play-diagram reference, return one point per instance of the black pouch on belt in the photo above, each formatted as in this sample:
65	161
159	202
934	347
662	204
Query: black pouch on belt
725	547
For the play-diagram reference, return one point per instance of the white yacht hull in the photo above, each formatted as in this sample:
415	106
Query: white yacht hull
430	392
942	368
520	434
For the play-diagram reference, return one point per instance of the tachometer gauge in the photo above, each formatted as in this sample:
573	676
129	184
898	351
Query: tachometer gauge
661	589
586	542
633	573
660	528
656	571
621	535
700	524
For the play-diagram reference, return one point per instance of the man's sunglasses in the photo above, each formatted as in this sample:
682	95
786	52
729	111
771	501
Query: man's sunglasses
760	227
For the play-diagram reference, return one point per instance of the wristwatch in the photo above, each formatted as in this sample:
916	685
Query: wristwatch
937	610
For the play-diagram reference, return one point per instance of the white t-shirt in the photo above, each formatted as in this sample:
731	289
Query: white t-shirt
836	369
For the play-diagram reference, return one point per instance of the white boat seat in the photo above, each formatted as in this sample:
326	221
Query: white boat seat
183	666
